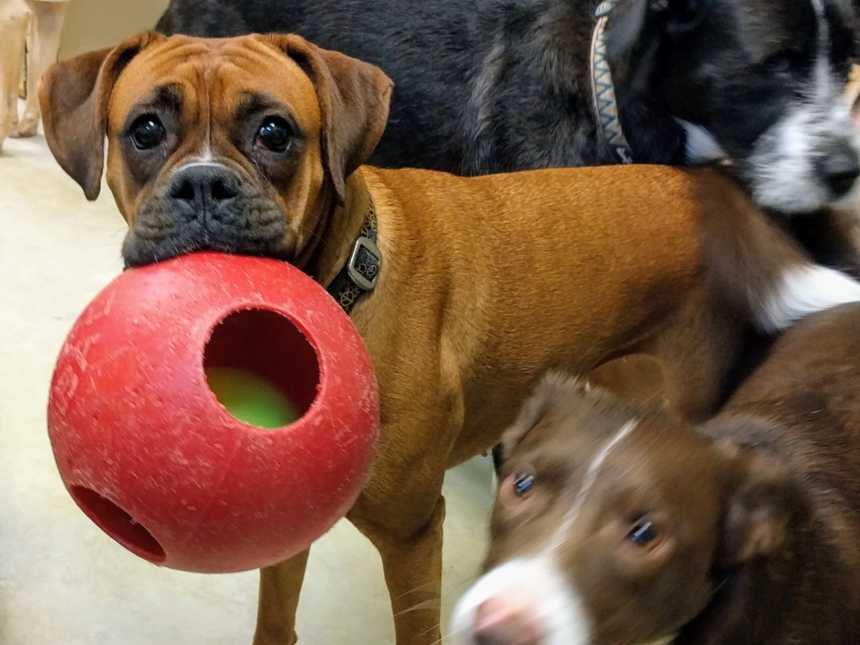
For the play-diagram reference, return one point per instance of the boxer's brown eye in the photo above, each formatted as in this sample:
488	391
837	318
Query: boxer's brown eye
275	134
147	132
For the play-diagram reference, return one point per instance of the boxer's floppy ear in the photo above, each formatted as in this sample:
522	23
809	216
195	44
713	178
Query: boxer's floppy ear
354	100
74	96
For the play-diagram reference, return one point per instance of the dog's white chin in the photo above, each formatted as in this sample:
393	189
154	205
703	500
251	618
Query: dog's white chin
780	171
535	583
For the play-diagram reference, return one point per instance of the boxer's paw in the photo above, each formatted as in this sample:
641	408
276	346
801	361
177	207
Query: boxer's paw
5	130
26	127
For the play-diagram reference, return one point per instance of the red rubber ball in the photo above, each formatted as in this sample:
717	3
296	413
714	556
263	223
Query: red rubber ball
150	454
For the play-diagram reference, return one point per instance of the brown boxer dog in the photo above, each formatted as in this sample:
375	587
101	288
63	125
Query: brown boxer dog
253	145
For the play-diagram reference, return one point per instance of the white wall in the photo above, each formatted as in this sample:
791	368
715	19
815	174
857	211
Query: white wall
93	24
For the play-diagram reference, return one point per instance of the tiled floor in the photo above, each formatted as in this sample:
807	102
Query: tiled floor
64	582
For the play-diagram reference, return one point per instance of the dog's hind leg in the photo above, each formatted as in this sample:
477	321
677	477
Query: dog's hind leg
412	561
280	587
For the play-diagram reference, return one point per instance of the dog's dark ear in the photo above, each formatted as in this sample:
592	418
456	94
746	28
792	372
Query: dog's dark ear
74	97
683	16
638	27
553	390
354	100
632	41
760	499
856	17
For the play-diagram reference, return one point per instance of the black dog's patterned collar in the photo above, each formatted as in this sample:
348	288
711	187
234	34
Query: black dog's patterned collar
361	271
603	89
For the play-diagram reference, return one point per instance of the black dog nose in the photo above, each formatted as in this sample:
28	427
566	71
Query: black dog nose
204	186
840	169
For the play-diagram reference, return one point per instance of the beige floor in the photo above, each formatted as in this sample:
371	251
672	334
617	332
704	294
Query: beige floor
62	581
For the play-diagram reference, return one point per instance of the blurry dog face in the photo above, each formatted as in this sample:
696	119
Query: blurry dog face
235	145
760	82
609	525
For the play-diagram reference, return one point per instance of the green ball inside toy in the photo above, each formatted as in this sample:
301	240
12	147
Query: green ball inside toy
250	398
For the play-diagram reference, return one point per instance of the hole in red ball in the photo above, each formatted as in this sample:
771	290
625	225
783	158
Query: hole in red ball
118	524
261	368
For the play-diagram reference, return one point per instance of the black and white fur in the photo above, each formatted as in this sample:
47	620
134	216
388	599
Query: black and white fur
494	85
809	140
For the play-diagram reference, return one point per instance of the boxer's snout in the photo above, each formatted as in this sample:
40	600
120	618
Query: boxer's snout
205	205
206	190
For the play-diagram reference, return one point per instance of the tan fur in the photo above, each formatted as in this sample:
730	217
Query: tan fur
34	26
486	282
14	19
46	28
852	91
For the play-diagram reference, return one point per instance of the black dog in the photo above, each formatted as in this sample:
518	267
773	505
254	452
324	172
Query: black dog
493	85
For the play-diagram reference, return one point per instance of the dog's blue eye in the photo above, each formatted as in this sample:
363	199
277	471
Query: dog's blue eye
274	134
643	532
523	483
147	132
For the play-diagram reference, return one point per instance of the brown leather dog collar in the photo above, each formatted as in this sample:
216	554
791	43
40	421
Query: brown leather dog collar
361	271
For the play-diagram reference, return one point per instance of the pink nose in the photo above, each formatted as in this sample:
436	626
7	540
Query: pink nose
498	622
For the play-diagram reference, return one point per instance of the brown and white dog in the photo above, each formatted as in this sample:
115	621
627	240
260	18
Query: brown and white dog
622	525
254	145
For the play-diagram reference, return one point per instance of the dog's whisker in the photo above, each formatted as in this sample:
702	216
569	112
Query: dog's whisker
433	603
416	589
431	628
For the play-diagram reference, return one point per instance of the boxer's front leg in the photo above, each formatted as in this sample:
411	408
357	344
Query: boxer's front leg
280	587
412	562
